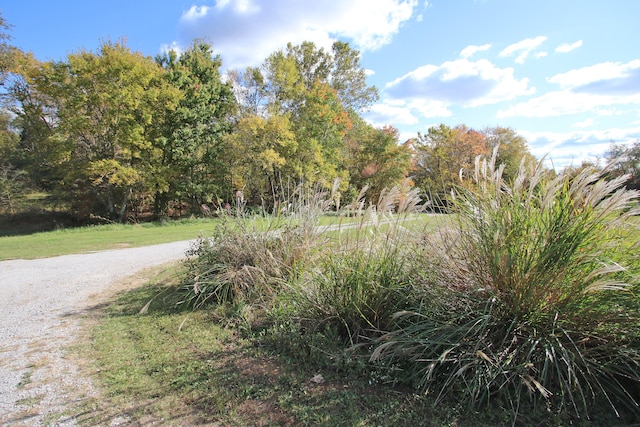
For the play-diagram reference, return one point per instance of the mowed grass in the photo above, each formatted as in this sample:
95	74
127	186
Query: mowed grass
102	237
117	236
212	367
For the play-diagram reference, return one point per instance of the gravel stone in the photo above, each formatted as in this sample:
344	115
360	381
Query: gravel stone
41	306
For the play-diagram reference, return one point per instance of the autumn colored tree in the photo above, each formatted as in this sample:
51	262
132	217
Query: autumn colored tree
260	153
320	125
443	153
92	116
376	159
316	91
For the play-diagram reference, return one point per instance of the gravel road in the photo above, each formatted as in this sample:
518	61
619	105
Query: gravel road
41	305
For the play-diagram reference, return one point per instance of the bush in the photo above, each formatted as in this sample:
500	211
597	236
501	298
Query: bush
531	301
243	263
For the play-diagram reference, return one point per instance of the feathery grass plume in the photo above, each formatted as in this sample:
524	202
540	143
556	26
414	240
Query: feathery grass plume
365	278
250	258
530	299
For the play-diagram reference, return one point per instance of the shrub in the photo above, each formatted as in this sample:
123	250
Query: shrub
530	299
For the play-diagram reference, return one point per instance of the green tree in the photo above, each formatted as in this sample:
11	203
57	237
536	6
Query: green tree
317	91
40	151
349	79
13	180
320	125
249	89
191	168
512	149
260	153
7	51
92	116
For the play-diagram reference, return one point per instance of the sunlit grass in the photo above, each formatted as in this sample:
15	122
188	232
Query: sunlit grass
115	236
102	237
183	367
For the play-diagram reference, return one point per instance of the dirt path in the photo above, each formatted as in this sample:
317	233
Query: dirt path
41	305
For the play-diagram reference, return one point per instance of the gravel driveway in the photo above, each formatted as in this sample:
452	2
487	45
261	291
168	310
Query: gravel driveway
41	302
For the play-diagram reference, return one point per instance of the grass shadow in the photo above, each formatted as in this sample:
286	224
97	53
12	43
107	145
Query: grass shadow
173	365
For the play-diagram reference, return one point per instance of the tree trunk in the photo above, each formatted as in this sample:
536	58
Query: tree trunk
123	207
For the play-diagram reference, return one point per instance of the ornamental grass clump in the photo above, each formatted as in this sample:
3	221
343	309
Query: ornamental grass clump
357	286
249	259
532	303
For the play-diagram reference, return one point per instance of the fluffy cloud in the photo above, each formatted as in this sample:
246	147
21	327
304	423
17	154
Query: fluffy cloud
402	114
389	113
568	47
587	89
603	78
462	82
583	124
523	48
572	148
560	103
470	50
244	32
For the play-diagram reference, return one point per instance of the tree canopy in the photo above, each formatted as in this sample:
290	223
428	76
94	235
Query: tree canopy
444	153
114	134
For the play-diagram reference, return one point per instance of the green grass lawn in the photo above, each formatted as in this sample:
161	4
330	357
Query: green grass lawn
97	238
210	367
103	237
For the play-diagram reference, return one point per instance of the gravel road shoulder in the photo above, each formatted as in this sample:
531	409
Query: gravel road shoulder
41	305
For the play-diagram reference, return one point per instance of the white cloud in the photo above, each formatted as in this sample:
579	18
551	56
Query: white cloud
430	108
594	73
565	102
583	124
601	88
462	82
470	50
244	32
566	47
541	54
522	48
608	112
196	12
563	149
387	113
400	112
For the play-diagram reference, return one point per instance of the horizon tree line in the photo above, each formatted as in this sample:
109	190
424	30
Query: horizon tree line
116	134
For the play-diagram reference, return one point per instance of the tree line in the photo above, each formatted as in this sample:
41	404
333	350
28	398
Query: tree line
117	134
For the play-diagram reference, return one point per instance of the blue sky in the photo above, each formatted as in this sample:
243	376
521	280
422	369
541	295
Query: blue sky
565	74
